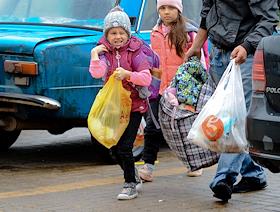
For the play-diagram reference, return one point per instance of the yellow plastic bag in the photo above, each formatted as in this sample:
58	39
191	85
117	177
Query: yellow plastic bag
110	113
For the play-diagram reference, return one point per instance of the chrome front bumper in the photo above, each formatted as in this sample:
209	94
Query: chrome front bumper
32	100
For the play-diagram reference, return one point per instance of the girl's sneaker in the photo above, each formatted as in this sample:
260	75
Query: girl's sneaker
196	173
146	172
128	192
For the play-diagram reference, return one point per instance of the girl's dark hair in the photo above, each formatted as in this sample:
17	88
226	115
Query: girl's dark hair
178	36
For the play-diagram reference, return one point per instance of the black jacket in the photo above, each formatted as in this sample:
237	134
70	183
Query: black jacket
233	22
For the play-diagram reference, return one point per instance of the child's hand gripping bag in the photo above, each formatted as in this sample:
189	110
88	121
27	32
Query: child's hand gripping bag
109	115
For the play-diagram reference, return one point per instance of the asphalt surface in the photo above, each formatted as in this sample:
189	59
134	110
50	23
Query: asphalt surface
64	177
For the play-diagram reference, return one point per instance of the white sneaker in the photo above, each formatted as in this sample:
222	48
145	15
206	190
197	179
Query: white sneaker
196	173
146	172
128	192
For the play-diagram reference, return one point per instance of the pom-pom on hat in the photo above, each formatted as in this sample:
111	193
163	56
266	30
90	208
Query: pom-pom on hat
117	18
175	3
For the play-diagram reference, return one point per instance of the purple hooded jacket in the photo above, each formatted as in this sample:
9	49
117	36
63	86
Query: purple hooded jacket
132	59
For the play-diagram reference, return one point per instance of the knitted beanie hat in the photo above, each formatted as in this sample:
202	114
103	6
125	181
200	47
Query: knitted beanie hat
175	3
117	18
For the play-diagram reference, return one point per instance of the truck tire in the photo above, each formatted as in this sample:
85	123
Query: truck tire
8	139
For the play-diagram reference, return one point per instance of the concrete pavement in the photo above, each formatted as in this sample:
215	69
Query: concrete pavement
94	188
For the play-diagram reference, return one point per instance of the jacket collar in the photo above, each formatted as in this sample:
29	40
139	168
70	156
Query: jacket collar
132	44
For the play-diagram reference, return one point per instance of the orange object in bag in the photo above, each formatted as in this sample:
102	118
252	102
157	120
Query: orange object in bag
110	113
212	127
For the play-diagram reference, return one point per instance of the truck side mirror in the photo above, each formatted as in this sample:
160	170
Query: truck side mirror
132	20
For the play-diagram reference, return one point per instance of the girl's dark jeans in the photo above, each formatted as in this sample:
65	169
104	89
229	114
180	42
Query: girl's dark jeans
123	150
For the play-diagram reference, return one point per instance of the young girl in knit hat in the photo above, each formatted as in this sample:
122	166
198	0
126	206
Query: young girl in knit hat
118	51
171	38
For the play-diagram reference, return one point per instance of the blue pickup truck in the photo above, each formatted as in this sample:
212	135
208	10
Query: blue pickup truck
44	58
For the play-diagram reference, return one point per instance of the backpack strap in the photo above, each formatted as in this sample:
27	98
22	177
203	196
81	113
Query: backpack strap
152	115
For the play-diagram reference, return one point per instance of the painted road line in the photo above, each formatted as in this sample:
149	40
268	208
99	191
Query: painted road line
82	184
142	162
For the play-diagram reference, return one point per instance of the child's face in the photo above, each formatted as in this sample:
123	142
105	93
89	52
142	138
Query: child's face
117	37
168	14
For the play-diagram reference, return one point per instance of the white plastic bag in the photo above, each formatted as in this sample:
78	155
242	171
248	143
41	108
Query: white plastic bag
220	126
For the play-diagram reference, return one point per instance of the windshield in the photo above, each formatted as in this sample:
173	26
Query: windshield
88	13
191	11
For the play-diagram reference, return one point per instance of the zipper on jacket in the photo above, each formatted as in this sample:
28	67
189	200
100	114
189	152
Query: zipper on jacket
118	57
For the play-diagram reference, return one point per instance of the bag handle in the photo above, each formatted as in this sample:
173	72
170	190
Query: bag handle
226	74
225	78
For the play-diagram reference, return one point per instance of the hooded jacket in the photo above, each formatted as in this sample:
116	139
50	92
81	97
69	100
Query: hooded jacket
132	59
169	60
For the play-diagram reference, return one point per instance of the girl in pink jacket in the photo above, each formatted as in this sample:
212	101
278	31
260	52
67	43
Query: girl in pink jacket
170	39
118	51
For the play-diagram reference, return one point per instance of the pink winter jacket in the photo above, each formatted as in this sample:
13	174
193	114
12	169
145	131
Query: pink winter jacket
169	60
132	59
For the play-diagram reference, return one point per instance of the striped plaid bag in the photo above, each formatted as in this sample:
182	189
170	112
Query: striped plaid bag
176	123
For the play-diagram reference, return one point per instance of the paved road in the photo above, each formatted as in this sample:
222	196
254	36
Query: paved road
54	181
